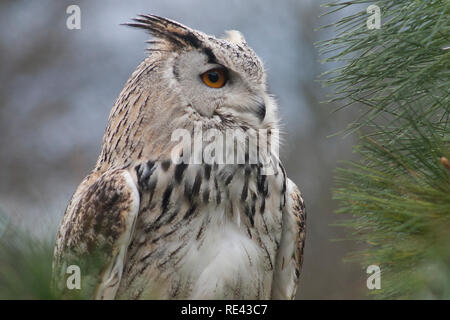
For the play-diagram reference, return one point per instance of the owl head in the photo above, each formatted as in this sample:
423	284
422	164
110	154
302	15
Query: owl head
188	78
217	77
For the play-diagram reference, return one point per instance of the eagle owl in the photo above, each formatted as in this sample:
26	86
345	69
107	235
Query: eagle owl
152	221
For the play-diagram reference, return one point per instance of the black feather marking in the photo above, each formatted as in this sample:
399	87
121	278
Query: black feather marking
187	189
179	170
190	211
248	213
211	57
283	191
155	31
176	73
150	165
159	26
144	172
199	234
172	31
244	190
207	171
206	195
162	236
138	170
145	257
248	170
266	189
173	214
197	184
218	195
268	255
165	165
166	198
254	204
261	111
151	186
191	39
164	204
249	233
228	179
263	205
261	181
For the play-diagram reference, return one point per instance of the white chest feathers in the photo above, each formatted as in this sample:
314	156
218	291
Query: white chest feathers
227	264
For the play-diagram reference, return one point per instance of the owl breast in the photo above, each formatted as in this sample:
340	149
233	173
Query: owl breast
204	232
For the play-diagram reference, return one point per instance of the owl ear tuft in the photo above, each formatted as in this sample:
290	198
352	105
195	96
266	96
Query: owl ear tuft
166	29
235	37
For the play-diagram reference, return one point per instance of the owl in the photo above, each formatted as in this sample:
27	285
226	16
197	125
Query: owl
164	215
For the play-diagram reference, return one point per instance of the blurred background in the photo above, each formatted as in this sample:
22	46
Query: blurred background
57	87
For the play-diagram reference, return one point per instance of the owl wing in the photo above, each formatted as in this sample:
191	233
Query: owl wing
290	253
94	235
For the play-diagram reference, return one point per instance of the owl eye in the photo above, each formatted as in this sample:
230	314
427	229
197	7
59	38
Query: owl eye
215	78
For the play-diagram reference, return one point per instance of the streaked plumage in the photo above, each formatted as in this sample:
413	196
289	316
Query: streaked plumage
142	226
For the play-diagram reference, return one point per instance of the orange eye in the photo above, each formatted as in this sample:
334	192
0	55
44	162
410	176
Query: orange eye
215	78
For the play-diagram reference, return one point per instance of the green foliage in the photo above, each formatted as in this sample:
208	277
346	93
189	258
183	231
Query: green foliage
398	194
25	264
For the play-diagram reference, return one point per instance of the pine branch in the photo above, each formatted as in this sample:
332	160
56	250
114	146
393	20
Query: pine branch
398	194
